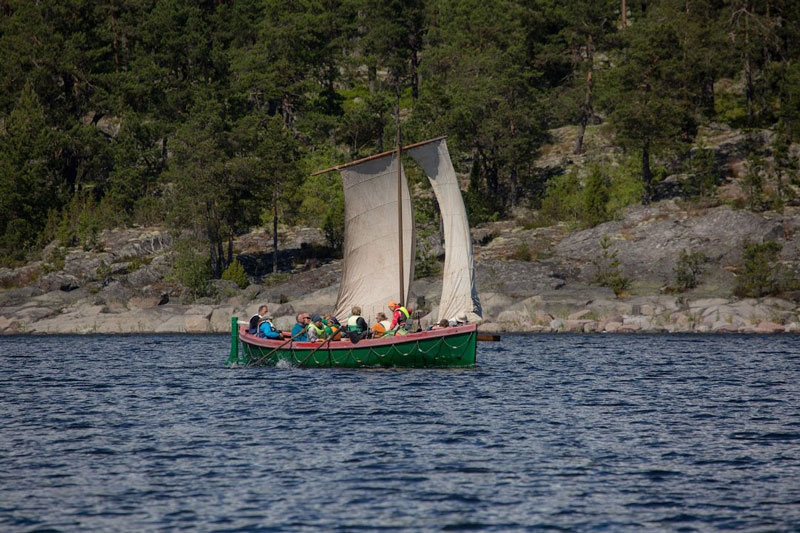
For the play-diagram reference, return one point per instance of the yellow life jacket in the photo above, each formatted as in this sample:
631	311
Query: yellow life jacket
320	331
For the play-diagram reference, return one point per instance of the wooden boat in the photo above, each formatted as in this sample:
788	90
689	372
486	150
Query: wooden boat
378	267
449	347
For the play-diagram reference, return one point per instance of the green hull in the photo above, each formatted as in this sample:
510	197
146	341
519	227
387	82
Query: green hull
451	347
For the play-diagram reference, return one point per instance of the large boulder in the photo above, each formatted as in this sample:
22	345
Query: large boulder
83	265
284	323
494	303
649	240
58	281
19	277
518	279
116	294
321	301
12	297
59	298
196	324
147	275
562	303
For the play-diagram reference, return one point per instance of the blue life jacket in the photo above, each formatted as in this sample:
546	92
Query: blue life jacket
266	331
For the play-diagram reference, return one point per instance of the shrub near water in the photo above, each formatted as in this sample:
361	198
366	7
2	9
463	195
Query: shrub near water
591	201
191	269
522	252
761	272
609	274
235	273
688	268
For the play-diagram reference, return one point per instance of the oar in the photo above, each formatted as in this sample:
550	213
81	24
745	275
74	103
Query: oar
328	340
279	347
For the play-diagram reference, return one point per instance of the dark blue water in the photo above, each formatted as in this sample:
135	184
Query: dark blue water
572	433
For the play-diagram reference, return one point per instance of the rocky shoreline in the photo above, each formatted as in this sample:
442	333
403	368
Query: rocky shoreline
658	314
124	285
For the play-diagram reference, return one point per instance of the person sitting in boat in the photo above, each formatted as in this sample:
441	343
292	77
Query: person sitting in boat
252	328
299	332
380	326
459	320
316	329
266	329
399	315
443	323
399	320
333	328
357	328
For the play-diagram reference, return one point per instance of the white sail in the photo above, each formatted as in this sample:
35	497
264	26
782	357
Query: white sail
371	273
459	293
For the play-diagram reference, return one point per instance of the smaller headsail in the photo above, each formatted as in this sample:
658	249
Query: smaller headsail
459	293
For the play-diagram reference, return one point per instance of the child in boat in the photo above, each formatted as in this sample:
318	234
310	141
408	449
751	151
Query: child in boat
332	327
381	325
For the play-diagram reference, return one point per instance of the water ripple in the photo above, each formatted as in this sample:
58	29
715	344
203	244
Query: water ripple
548	433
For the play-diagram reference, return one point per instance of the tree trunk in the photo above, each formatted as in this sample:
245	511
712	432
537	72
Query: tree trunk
372	76
492	180
414	75
514	179
220	257
275	233
708	95
213	238
624	10
330	88
647	176
286	111
748	75
114	40
586	112
230	247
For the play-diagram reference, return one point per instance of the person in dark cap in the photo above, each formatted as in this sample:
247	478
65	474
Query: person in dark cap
316	329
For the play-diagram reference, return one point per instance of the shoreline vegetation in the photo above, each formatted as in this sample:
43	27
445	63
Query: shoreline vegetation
625	168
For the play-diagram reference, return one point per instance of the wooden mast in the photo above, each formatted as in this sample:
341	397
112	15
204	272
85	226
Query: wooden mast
401	300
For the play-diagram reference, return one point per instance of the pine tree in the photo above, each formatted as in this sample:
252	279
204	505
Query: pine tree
646	112
29	182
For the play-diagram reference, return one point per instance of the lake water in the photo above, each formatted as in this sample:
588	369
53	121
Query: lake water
561	433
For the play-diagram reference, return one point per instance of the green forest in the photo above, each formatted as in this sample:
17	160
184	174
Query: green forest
210	116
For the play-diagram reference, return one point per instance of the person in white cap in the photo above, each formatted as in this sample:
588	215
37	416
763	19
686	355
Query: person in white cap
459	320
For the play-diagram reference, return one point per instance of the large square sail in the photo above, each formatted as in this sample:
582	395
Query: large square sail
371	271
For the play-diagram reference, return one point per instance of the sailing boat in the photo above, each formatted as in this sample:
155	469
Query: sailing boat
378	258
